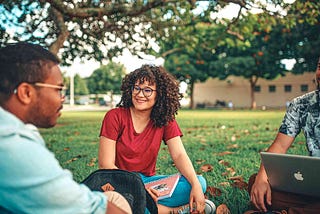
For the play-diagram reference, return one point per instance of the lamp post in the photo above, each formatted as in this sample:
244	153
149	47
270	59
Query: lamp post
72	89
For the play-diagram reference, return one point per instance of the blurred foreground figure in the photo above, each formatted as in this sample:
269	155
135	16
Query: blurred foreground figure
32	181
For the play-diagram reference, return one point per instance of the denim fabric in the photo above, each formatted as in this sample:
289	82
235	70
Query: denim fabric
181	194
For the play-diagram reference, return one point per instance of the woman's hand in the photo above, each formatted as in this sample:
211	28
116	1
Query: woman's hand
154	194
197	200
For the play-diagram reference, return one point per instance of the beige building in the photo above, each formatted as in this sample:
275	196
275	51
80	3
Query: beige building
268	93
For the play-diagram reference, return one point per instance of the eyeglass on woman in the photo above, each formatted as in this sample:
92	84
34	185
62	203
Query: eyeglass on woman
147	92
62	89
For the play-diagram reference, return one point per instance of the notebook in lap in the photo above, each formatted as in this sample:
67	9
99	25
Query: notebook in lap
293	173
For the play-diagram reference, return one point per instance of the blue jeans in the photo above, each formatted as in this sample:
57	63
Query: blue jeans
181	194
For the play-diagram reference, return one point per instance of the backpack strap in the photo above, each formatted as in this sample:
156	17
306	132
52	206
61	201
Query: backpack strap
151	205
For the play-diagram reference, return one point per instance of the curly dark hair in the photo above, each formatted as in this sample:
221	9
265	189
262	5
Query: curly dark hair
168	96
23	62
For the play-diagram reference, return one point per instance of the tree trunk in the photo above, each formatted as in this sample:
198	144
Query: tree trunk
191	95
97	99
112	99
253	82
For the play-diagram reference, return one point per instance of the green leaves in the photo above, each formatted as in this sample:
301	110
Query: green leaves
106	78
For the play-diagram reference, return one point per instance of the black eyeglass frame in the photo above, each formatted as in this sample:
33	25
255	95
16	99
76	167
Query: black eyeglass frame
136	90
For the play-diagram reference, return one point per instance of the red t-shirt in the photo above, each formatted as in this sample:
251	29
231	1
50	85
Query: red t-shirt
136	152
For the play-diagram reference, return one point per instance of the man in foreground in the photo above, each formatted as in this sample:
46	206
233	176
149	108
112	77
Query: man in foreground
302	114
32	181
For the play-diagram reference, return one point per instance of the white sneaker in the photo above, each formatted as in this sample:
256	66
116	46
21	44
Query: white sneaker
209	208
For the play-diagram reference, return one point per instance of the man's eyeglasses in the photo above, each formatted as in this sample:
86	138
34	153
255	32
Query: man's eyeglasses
62	89
147	92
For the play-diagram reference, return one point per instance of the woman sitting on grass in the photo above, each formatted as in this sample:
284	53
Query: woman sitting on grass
131	135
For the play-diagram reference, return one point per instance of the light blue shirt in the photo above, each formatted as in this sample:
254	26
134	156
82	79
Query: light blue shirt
32	180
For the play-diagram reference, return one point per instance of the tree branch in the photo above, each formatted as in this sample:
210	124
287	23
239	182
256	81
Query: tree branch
165	54
63	31
125	9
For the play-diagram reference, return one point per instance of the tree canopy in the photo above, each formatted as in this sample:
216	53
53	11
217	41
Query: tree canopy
102	29
253	47
106	78
90	29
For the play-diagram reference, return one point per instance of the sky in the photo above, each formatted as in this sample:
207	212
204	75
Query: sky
131	62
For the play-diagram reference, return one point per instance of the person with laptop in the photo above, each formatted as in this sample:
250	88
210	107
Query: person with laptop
32	181
302	114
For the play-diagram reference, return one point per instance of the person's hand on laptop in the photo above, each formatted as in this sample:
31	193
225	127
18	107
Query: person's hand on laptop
261	192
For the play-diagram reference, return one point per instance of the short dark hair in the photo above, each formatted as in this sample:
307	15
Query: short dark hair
23	62
168	95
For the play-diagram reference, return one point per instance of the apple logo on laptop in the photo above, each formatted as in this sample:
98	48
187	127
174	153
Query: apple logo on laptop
298	176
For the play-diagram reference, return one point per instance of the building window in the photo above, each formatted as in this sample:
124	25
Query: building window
304	88
287	88
257	88
272	88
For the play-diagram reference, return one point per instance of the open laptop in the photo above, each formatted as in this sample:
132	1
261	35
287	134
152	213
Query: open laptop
293	173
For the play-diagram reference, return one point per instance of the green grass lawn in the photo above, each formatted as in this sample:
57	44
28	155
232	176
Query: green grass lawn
227	141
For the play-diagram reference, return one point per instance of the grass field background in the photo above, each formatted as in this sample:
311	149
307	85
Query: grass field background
223	145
